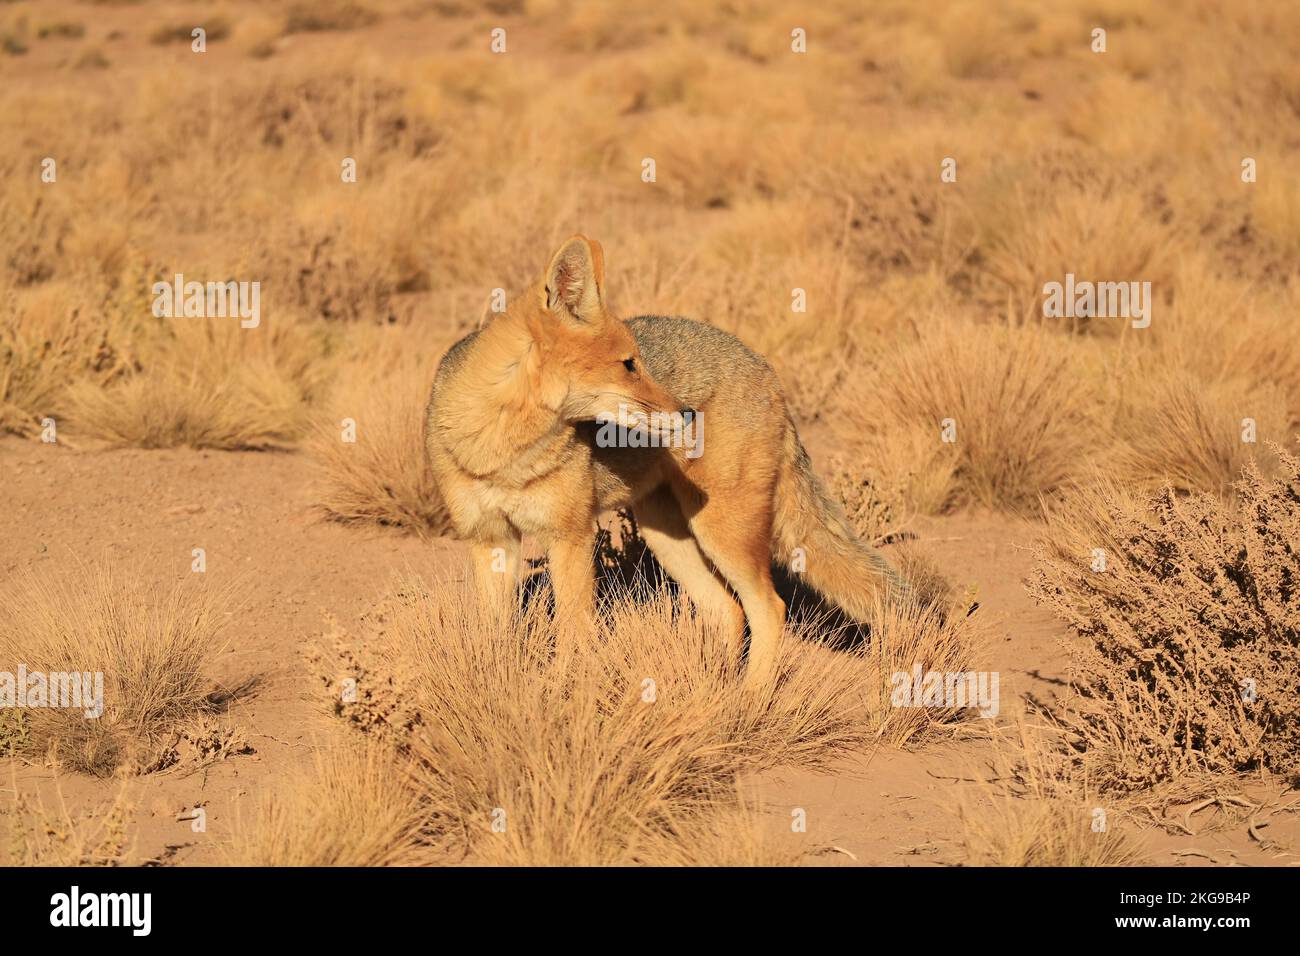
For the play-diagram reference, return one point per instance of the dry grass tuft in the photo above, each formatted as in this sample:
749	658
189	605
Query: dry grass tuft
596	753
729	832
59	339
1040	815
381	477
215	28
154	647
208	385
1187	645
356	809
1017	413
1180	430
321	15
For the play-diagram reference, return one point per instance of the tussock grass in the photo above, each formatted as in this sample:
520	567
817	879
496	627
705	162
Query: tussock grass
383	476
215	28
154	647
209	385
602	749
355	808
1178	429
322	15
63	29
1040	813
55	343
1096	232
1018	415
178	407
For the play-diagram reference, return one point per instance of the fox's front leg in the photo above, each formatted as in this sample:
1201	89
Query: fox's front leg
496	572
573	576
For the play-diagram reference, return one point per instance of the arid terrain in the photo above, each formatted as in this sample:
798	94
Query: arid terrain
234	522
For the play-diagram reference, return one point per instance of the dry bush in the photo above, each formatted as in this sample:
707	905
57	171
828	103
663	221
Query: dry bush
154	647
876	511
598	754
1020	415
1193	615
357	808
1040	813
33	835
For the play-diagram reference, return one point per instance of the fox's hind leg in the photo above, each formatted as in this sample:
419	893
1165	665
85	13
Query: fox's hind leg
738	543
664	528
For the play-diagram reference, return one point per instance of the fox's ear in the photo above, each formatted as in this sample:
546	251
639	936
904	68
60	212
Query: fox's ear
575	281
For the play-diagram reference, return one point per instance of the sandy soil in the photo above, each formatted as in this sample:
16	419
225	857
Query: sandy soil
146	510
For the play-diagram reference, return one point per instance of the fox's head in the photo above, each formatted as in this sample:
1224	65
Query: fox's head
589	364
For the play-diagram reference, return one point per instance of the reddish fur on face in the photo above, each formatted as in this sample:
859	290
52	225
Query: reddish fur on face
588	353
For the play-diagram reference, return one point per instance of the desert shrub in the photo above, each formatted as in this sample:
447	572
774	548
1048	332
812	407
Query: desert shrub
33	834
154	647
877	513
597	748
1186	654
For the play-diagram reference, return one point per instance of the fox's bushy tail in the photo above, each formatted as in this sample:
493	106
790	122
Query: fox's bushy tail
839	566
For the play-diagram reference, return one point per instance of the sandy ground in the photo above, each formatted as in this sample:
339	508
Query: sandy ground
146	510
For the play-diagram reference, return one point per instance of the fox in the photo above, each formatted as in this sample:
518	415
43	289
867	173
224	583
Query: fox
514	437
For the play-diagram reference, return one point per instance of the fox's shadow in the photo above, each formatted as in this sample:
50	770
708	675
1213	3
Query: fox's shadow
626	567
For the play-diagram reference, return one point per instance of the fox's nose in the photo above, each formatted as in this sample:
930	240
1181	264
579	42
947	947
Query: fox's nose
688	415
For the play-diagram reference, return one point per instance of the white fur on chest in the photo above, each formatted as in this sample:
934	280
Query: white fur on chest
518	498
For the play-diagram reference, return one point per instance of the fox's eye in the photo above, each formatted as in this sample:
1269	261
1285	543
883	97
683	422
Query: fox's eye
629	364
